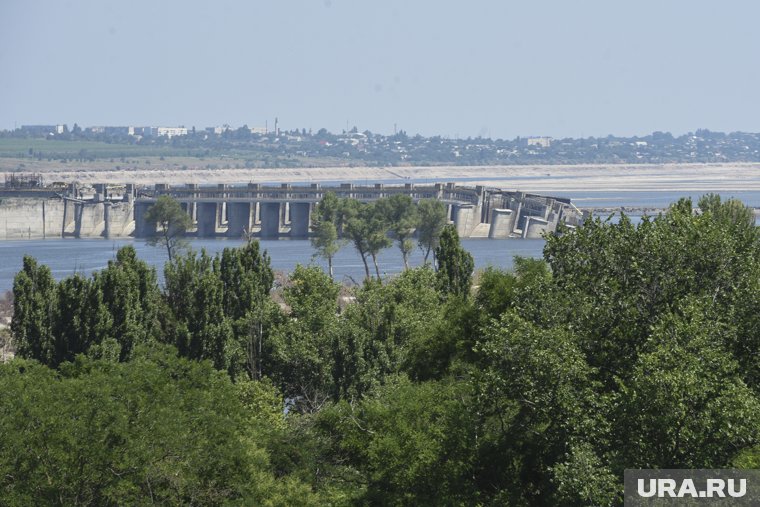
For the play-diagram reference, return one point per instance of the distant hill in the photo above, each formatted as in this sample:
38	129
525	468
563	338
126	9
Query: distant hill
301	148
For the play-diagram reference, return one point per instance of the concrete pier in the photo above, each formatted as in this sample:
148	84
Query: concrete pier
300	215
270	220
78	213
107	220
143	228
64	222
502	223
207	219
238	219
535	227
464	219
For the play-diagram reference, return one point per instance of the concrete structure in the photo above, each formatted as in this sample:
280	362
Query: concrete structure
502	223
171	131
43	130
113	131
267	212
239	219
543	142
285	211
27	214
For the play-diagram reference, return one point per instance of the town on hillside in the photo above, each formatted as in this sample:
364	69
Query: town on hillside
275	147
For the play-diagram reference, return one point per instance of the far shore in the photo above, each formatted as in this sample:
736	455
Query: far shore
724	177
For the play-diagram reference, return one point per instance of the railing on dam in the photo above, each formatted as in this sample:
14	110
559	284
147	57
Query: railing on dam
448	193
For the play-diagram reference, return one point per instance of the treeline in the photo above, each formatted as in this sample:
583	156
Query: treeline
626	347
371	227
301	148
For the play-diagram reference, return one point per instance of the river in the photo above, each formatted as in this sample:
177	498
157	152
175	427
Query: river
68	256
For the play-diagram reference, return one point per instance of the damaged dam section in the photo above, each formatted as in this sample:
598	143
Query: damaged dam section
255	210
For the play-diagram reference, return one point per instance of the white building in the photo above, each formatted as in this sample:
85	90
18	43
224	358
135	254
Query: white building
543	142
171	131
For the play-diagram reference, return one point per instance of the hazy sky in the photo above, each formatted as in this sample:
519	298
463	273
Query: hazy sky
494	68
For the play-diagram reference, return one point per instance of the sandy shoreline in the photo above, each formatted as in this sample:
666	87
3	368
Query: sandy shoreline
531	178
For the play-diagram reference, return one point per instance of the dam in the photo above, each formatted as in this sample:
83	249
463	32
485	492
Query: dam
267	212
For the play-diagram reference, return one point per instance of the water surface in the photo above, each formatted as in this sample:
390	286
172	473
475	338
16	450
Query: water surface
66	257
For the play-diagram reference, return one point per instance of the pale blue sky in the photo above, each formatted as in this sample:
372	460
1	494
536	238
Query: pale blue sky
467	68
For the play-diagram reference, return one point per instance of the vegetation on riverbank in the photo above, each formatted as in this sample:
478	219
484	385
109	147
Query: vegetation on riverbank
626	347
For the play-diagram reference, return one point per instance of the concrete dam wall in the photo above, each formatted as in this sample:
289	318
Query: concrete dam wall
39	217
265	212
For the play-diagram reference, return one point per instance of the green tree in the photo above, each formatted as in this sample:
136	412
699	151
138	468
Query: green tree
133	299
326	220
496	292
455	264
172	223
156	429
499	290
584	478
402	216
732	213
301	347
356	228
383	332
376	228
199	327
684	404
622	278
366	226
80	318
432	220
538	395
220	307
34	299
247	279
410	444
117	308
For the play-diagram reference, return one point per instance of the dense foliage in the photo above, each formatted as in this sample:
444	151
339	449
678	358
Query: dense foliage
156	429
628	346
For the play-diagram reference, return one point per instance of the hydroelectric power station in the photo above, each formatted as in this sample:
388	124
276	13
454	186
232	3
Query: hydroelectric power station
267	212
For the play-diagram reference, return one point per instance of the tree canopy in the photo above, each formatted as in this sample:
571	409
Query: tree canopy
172	223
626	346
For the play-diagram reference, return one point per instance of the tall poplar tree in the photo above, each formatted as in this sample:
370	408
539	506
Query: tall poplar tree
432	219
403	219
455	264
33	307
326	222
